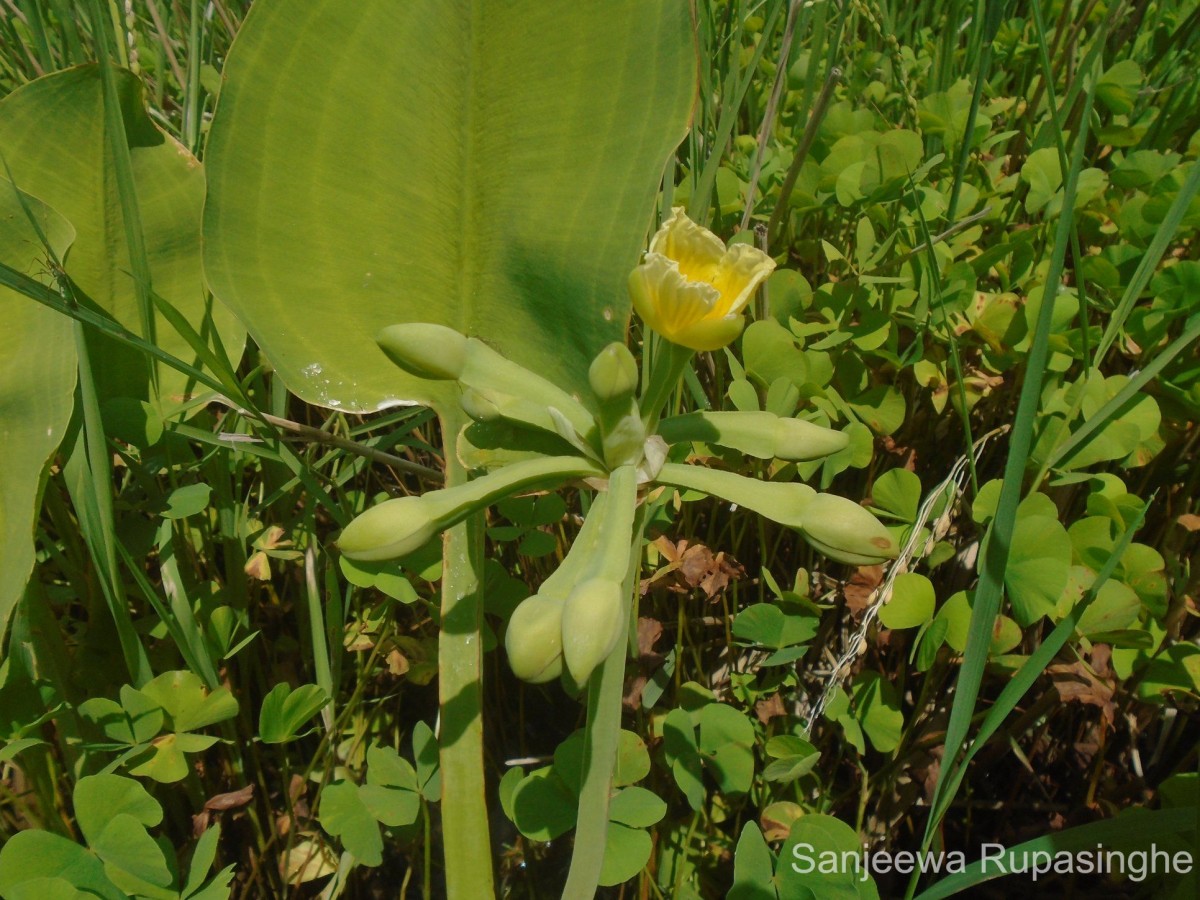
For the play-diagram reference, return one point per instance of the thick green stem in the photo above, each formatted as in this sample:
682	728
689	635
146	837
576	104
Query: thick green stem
602	735
465	837
665	371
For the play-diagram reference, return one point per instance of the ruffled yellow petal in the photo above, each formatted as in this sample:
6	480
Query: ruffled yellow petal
691	289
696	249
665	299
743	268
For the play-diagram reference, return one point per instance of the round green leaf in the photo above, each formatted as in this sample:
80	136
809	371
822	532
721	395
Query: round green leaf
1039	564
344	814
753	867
187	501
544	806
188	702
911	604
47	889
626	852
125	844
877	706
29	857
727	745
769	626
98	798
388	768
1114	608
133	421
637	808
284	712
812	864
898	492
633	760
393	807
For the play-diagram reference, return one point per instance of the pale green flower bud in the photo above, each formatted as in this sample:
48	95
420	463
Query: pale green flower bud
613	373
479	406
397	527
846	532
624	439
425	350
798	440
392	529
591	625
534	639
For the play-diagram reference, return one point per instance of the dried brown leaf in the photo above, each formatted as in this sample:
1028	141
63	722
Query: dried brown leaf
230	799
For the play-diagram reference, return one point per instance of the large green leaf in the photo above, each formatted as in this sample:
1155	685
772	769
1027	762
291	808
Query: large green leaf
37	383
486	165
52	135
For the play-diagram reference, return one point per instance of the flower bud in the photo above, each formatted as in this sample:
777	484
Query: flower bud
591	625
613	373
534	639
478	406
389	530
425	350
798	440
846	532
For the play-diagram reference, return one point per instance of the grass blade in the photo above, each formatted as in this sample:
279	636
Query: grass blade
1139	829
994	562
1020	683
1115	406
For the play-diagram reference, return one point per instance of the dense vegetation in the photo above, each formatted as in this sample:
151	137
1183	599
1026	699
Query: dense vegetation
201	697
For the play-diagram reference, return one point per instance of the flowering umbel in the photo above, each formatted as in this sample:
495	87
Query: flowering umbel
691	288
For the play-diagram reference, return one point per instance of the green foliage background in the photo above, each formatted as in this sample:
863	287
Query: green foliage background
197	692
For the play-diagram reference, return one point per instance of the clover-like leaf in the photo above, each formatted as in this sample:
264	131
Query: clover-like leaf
188	702
345	815
800	874
99	798
727	745
911	604
284	711
544	805
877	707
32	858
793	757
126	846
626	852
637	808
753	867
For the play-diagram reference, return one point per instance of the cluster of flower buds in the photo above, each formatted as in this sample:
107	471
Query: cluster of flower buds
578	616
692	289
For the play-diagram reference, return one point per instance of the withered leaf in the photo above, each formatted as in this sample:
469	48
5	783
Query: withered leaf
230	799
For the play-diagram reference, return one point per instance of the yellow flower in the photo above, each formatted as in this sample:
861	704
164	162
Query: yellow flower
691	288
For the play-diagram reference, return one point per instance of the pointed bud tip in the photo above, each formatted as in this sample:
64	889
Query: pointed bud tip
613	373
393	529
533	640
847	532
591	625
